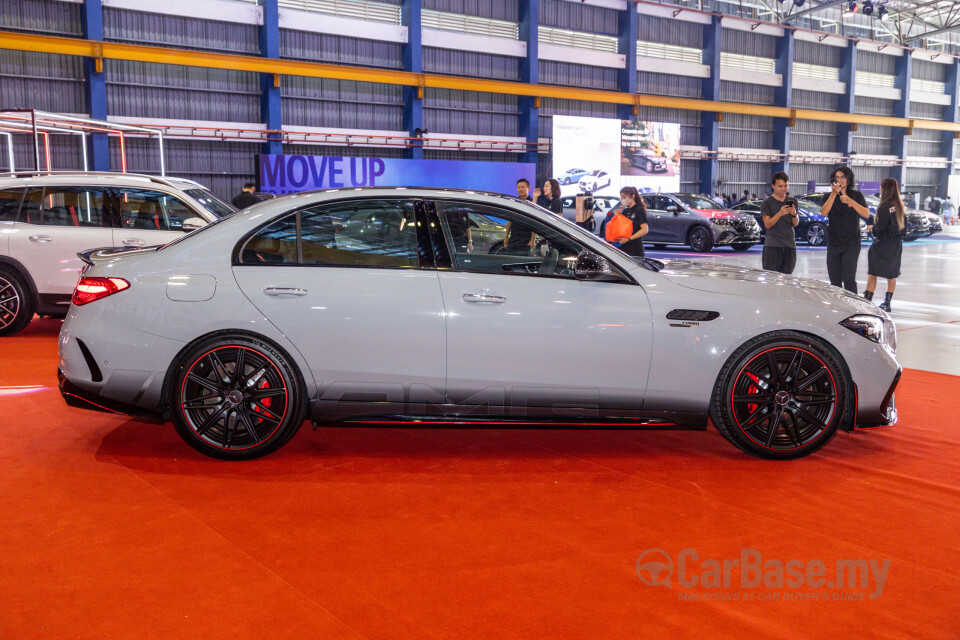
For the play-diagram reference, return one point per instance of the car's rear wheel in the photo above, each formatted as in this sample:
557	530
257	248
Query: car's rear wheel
236	398
700	239
781	396
16	303
816	234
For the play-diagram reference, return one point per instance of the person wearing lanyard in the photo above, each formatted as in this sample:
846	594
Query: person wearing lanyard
634	209
843	242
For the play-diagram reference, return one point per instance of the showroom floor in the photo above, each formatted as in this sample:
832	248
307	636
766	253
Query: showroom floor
114	528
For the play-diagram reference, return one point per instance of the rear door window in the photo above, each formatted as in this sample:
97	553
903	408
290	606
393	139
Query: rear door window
65	207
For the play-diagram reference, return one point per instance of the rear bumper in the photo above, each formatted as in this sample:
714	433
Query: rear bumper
74	396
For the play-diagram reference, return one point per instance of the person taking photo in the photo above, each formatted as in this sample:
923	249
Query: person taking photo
779	214
842	209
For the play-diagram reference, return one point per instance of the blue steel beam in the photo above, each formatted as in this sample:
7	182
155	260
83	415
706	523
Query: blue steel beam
709	124
529	19
627	45
410	15
902	110
949	146
271	112
95	86
847	102
784	98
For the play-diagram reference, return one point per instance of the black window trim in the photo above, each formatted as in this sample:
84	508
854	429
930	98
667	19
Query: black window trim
417	202
16	215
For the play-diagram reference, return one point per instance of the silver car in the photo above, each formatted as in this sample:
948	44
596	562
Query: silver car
381	304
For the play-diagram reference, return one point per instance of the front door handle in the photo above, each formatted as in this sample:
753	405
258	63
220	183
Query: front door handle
476	298
40	239
284	291
133	242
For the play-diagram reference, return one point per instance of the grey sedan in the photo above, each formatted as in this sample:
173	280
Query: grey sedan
381	305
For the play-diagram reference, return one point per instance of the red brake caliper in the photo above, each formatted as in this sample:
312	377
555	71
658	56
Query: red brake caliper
752	389
266	402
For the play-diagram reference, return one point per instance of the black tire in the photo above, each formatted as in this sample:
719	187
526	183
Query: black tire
223	415
700	239
816	235
16	303
797	409
649	167
741	246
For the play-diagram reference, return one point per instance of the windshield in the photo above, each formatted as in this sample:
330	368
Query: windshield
211	203
697	202
808	207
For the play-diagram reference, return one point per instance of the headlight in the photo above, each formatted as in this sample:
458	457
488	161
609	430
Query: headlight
721	221
874	328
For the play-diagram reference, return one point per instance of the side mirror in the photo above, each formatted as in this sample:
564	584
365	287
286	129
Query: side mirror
674	209
192	224
590	266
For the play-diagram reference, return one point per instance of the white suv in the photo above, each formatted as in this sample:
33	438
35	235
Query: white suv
46	219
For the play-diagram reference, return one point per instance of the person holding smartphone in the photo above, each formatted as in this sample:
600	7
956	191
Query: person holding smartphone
842	208
779	214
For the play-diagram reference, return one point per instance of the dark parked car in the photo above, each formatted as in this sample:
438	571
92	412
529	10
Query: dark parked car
812	228
918	225
648	161
687	218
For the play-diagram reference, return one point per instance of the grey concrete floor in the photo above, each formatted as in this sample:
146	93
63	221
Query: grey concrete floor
926	304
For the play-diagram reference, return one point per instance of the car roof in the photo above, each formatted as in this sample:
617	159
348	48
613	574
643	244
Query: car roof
25	178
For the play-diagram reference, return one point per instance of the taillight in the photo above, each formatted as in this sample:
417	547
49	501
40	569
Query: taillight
90	289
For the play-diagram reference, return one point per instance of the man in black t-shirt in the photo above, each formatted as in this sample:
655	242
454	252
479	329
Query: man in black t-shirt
246	198
844	208
779	215
519	238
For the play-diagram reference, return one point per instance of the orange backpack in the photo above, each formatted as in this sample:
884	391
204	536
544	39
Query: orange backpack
620	226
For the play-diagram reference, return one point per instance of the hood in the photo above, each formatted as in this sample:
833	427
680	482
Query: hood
768	285
724	213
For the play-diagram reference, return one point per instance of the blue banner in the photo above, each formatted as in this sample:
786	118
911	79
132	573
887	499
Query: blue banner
282	174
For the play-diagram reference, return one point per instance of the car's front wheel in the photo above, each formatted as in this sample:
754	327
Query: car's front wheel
16	303
236	398
816	234
649	167
700	239
781	396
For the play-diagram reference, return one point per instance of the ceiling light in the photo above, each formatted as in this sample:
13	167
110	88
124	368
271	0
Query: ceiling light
853	6
798	3
868	8
882	13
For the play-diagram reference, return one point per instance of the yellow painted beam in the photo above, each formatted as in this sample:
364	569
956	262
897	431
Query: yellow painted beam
257	64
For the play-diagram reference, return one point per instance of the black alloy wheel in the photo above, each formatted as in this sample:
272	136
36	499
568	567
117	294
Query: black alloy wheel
781	396
816	234
700	239
16	303
236	398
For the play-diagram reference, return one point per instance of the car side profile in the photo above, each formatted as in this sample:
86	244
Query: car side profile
696	221
571	175
46	219
286	311
594	180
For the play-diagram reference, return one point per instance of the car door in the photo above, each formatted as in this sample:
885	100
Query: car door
525	337
346	283
656	220
150	217
55	223
675	223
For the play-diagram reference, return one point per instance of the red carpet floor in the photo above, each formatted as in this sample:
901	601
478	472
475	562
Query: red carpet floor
111	528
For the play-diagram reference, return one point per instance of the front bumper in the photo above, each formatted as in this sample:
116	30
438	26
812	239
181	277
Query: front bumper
886	414
730	236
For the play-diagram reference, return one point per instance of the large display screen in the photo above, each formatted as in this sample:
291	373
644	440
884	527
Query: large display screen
282	174
601	155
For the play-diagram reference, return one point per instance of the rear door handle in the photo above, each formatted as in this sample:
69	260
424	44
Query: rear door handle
40	239
284	291
132	242
476	298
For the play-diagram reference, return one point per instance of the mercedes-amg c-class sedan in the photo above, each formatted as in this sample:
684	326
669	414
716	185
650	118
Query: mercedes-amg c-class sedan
455	306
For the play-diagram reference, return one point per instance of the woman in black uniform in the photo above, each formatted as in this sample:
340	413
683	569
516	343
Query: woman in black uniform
883	259
550	198
634	209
